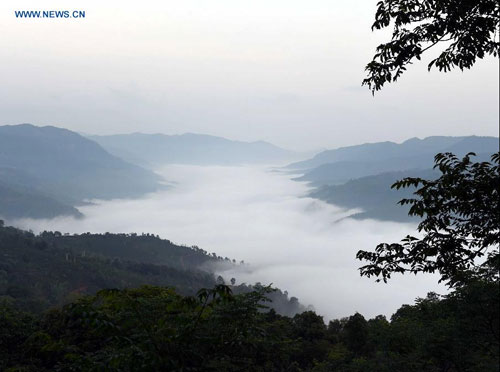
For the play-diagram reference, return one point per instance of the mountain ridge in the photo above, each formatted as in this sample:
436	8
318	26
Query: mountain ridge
150	150
60	164
387	150
374	195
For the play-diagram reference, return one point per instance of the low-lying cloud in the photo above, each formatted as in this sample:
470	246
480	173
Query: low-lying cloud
297	243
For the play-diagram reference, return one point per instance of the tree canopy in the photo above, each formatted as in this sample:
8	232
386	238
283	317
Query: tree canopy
156	329
460	225
467	30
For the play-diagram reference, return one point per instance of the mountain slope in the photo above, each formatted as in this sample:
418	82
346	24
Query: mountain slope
343	171
384	151
38	272
30	203
371	159
22	195
373	194
152	150
63	164
41	271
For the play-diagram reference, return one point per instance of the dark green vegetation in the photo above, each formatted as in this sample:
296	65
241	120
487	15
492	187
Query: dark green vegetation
152	150
47	170
37	272
467	30
460	225
361	176
155	329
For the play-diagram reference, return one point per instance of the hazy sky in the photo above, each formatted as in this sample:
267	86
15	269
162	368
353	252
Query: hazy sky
286	71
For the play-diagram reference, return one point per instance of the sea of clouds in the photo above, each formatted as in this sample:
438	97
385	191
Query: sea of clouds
299	244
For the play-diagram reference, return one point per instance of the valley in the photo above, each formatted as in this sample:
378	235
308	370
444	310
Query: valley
264	218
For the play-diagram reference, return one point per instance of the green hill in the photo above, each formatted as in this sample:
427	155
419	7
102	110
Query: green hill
50	269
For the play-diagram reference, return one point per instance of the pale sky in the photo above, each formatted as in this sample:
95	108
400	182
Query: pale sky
285	71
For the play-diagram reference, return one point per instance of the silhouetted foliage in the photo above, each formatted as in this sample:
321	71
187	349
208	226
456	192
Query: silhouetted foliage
460	227
156	329
468	29
37	272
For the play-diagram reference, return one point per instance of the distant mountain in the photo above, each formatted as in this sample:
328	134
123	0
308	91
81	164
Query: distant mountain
19	203
49	164
414	148
22	195
373	194
372	159
361	176
151	150
343	171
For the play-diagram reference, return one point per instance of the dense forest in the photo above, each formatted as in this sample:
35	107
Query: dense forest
156	329
41	271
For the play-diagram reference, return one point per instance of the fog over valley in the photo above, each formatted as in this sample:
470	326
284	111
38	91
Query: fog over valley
258	186
261	216
297	225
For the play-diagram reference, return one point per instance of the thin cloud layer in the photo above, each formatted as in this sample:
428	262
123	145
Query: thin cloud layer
297	243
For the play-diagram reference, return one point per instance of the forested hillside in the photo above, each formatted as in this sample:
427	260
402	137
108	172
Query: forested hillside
37	272
156	329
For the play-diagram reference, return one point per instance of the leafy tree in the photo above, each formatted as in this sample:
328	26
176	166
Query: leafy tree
467	30
15	327
156	329
356	333
460	226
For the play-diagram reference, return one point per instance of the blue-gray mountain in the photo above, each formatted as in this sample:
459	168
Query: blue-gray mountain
389	156
26	202
373	195
151	150
361	176
45	171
